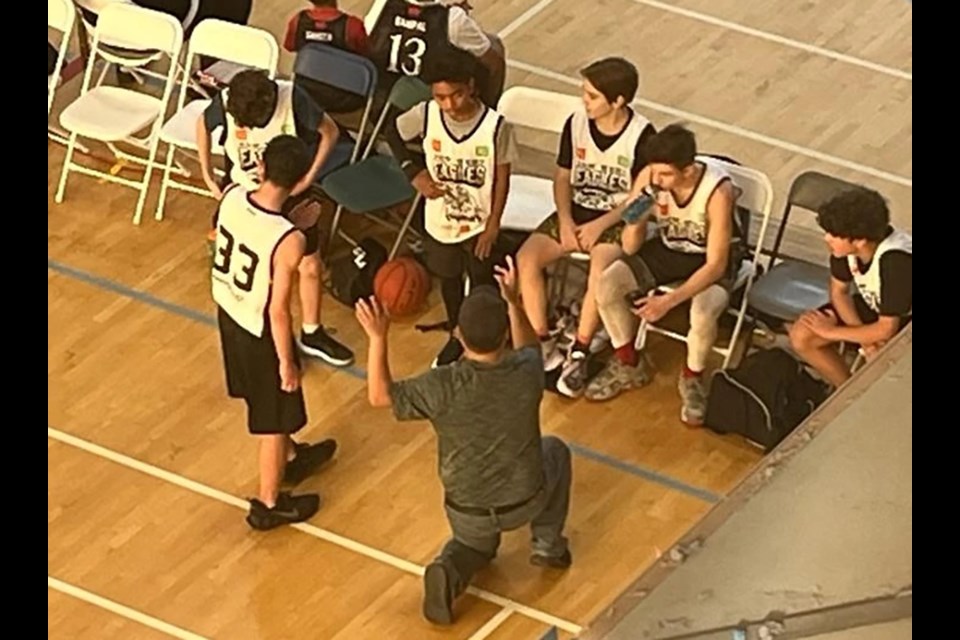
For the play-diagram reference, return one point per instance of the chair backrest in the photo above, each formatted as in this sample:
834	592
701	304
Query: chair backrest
756	196
340	69
133	27
810	190
407	92
538	109
244	45
61	15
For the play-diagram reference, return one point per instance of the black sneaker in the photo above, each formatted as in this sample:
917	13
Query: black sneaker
321	345
451	352
554	562
308	458
437	598
288	510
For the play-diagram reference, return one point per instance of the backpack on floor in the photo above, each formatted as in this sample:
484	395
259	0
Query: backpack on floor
764	399
351	276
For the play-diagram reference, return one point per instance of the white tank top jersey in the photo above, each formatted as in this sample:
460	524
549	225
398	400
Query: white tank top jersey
601	180
244	147
684	228
465	169
242	274
868	284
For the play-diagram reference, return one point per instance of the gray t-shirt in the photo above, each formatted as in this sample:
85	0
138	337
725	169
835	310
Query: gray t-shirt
487	419
410	127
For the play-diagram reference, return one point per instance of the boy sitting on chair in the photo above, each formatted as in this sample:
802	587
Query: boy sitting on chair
878	260
252	111
693	205
468	149
601	154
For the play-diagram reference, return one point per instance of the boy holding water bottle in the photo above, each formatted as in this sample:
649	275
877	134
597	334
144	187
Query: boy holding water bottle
690	198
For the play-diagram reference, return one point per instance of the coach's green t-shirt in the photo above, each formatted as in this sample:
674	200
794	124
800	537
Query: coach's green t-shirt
487	419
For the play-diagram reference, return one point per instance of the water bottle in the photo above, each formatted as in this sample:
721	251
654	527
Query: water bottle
636	209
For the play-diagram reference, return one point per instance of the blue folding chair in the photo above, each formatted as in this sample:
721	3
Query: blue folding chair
348	72
375	182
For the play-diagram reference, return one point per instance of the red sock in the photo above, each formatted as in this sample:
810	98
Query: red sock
627	355
690	373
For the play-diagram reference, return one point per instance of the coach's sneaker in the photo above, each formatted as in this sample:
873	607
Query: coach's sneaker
693	395
321	345
288	510
308	458
451	352
438	593
617	377
554	562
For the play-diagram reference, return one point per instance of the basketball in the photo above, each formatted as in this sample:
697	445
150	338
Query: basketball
401	286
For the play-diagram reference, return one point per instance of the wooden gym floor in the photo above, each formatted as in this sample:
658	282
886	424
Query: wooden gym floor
149	463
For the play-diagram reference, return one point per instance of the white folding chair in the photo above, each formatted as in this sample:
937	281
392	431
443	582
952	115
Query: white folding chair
115	114
238	44
756	195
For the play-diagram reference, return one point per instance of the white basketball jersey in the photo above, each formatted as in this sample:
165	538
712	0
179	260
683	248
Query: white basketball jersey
247	237
244	147
868	284
684	228
601	180
465	169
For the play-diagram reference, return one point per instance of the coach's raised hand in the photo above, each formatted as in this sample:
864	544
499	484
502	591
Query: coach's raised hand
376	323
372	317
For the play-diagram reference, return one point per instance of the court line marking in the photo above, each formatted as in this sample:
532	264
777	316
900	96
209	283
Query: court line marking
632	468
524	18
121	610
492	624
773	37
729	128
315	531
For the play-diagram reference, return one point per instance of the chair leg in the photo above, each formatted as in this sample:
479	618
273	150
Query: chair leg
334	227
62	186
641	340
162	199
60	136
147	173
404	227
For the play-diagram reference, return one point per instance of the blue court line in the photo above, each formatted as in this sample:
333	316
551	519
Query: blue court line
645	473
209	320
146	298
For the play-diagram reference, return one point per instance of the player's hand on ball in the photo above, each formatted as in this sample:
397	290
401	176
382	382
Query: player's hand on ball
372	317
507	279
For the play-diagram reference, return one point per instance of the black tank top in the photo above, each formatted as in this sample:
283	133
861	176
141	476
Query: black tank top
408	38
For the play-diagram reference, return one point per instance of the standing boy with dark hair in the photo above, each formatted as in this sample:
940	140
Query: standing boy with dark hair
464	176
258	250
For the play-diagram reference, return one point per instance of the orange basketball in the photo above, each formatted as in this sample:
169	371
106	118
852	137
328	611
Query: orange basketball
401	286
